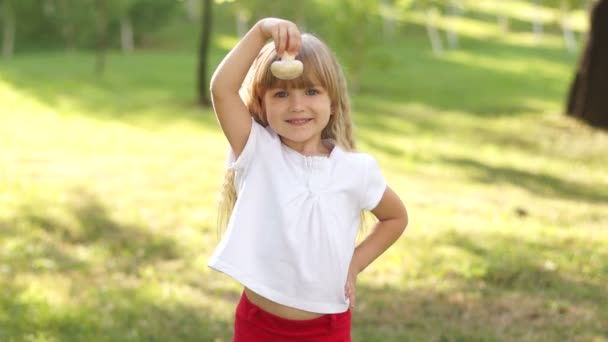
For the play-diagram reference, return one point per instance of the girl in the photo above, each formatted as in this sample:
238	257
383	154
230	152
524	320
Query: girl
295	190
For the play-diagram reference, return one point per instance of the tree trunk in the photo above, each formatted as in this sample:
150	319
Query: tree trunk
389	24
569	38
191	9
587	99
501	17
537	25
203	83
431	29
242	17
8	30
101	29
68	32
452	34
126	34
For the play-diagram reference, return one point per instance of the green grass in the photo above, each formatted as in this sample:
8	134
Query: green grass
108	187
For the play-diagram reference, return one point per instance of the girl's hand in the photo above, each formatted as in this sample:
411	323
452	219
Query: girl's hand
284	33
350	287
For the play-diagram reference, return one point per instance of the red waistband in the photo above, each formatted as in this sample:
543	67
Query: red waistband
336	327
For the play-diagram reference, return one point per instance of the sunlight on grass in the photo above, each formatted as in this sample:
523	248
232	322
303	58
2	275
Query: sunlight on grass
527	11
546	68
476	29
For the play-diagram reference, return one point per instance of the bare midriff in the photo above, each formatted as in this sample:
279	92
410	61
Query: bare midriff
279	309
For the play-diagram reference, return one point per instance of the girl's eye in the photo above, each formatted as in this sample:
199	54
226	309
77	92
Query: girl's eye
312	91
281	93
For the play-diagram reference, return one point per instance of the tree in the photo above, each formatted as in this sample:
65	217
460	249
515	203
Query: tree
502	17
205	40
8	29
122	11
147	16
434	14
67	22
587	99
348	25
565	21
537	24
101	36
563	9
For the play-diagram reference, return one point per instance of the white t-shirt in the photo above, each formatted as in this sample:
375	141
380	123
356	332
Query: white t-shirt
292	232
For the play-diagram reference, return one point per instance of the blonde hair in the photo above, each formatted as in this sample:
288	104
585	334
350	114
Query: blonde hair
320	68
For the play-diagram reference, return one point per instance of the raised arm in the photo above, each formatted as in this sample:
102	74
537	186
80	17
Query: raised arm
232	114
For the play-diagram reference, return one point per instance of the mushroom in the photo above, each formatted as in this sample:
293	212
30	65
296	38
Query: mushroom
287	68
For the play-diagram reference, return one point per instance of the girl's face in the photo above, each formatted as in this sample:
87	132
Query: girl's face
298	115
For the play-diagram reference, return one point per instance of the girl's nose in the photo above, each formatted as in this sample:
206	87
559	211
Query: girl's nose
296	102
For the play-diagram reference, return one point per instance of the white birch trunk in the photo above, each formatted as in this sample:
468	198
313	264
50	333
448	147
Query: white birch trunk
127	41
569	37
501	17
452	34
48	8
68	31
538	23
242	17
192	9
9	29
431	29
388	20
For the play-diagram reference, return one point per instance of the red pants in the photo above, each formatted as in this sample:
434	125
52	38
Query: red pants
253	324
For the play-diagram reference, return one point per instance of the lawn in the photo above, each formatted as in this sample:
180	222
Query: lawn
108	189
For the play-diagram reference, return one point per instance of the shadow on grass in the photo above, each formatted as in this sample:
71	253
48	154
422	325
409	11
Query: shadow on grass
110	314
515	298
71	272
88	224
537	183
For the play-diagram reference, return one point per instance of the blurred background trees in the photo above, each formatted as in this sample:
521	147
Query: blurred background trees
51	24
42	24
349	25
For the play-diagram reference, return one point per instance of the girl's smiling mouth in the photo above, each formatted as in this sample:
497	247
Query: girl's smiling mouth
298	122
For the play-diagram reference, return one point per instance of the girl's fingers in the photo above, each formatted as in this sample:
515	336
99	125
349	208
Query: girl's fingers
277	38
349	291
294	40
285	34
283	40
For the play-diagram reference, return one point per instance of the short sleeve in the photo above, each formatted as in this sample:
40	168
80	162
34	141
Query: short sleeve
248	152
375	185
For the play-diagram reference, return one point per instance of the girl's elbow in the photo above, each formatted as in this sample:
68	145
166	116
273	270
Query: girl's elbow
220	90
214	87
404	220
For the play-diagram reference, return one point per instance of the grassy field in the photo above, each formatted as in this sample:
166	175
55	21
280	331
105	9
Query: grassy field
108	187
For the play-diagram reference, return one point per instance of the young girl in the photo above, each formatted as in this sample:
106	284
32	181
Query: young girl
295	190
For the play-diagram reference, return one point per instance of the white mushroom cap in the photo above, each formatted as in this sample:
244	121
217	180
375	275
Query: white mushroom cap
287	68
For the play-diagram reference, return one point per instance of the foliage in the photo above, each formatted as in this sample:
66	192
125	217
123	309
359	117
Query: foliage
57	23
70	23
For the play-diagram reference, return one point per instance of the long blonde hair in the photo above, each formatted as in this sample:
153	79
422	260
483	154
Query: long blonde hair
320	67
